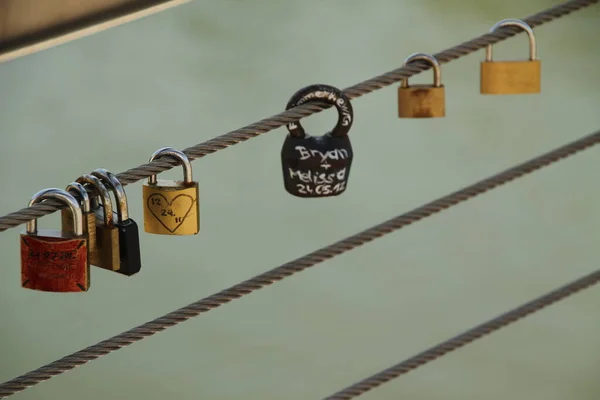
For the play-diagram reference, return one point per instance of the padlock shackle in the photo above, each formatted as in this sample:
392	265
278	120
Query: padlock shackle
62	196
518	23
109	179
327	94
76	187
102	193
179	156
431	60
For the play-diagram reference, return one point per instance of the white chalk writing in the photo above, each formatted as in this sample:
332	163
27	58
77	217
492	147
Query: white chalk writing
318	94
321	190
332	97
346	116
317	178
335	154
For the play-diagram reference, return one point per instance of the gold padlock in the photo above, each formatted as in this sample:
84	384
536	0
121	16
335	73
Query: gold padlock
422	101
171	207
106	252
78	191
511	77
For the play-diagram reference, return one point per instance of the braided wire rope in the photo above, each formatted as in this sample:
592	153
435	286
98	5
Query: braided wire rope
279	273
466	337
294	114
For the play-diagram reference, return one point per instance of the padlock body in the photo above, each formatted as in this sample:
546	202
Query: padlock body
52	261
107	244
316	166
130	259
421	101
89	228
511	77
171	208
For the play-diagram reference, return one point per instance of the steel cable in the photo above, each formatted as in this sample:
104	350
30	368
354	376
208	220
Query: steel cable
279	273
466	337
294	114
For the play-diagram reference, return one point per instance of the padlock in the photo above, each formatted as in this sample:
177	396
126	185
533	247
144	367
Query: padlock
422	101
106	253
318	166
512	77
129	239
51	260
171	207
89	218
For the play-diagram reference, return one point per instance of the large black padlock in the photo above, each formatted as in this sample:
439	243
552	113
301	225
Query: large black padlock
318	166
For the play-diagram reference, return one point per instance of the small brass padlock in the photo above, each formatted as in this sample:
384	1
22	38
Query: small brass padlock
130	260
51	260
106	253
511	77
422	101
171	207
78	191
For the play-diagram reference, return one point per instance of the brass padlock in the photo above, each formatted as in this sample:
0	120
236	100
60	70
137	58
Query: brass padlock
422	101
52	260
78	191
171	207
511	77
106	253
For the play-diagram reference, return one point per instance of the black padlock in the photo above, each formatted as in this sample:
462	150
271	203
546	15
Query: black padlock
318	166
129	238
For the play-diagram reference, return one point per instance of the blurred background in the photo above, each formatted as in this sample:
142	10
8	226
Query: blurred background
199	70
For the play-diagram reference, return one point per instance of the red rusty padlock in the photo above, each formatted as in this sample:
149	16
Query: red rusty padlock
51	260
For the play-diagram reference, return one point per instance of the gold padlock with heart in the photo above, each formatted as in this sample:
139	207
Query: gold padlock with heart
171	207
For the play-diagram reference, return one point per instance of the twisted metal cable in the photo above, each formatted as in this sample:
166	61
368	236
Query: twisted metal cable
294	114
277	274
466	337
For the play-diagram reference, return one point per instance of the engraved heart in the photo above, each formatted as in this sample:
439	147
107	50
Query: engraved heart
171	214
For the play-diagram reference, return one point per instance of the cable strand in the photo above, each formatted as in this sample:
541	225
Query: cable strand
294	114
288	269
465	338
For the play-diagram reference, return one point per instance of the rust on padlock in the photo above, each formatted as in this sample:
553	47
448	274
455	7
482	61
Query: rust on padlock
53	260
52	264
421	101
